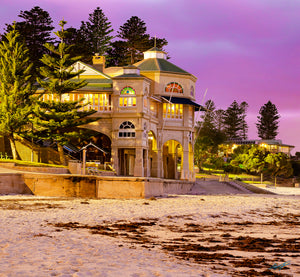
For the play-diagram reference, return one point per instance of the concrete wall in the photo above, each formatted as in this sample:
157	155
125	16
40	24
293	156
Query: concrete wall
135	187
120	187
61	185
103	187
40	169
11	183
66	185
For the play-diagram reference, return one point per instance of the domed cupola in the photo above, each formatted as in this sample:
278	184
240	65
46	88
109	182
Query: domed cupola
155	53
131	69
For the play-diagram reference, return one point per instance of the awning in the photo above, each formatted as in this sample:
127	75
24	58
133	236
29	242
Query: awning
185	101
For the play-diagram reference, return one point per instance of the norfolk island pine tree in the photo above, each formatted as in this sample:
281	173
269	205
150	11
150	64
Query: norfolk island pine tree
55	119
17	90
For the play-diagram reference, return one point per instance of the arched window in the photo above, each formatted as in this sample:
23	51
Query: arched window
127	130
127	91
173	87
127	97
192	91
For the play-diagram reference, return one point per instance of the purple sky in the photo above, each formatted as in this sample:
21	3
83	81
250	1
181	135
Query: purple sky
243	50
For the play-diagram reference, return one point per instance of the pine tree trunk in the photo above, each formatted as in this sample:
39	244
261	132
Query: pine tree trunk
61	154
13	148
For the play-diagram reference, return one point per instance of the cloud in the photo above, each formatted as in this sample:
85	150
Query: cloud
208	47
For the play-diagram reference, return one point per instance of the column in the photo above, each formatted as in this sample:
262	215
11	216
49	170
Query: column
139	165
185	165
159	164
146	163
115	160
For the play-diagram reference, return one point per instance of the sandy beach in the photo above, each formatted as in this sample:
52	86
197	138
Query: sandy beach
188	235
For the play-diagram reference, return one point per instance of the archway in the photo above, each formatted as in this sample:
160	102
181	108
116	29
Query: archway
127	156
172	159
101	154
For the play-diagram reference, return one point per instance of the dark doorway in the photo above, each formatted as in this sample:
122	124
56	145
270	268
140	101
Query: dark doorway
126	161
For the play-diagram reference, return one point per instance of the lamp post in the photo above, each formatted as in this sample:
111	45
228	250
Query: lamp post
32	142
83	161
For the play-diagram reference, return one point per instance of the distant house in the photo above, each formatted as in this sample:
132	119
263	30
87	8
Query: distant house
273	146
146	112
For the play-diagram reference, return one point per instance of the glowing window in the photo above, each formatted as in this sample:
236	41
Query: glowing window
172	111
127	91
173	87
126	99
127	130
98	102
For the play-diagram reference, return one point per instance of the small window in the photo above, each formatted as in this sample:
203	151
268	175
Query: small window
127	130
126	97
173	87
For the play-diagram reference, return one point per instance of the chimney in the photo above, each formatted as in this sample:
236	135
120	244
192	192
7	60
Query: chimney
99	62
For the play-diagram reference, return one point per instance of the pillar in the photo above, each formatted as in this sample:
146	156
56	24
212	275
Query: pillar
115	160
185	166
146	163
139	164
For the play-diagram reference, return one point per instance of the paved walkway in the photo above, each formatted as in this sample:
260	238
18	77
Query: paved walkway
284	190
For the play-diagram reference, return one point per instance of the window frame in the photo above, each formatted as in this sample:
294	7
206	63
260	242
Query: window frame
126	130
127	100
174	87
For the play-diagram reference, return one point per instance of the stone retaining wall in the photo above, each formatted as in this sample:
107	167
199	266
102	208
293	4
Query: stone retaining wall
103	187
12	183
40	169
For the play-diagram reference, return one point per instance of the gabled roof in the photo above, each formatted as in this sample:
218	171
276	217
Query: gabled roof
99	81
163	65
89	70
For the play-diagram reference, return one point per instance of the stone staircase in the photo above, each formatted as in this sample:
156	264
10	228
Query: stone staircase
214	187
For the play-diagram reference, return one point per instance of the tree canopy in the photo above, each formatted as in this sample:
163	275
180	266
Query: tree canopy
55	119
251	159
208	136
134	41
94	35
16	87
279	164
234	120
35	31
268	121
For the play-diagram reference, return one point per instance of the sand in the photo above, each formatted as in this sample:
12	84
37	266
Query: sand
188	235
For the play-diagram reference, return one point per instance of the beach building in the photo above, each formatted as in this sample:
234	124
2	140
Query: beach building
146	116
273	146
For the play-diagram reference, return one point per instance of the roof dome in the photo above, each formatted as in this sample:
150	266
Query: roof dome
155	53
